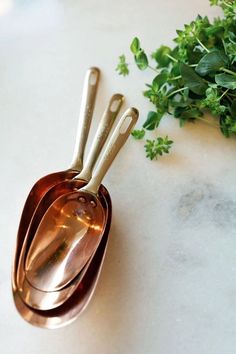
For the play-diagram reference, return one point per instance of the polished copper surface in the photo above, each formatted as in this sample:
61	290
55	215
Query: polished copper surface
74	306
68	221
57	275
32	296
66	238
37	192
60	235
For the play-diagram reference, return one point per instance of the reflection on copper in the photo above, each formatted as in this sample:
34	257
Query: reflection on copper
96	227
69	310
64	187
35	196
57	255
62	226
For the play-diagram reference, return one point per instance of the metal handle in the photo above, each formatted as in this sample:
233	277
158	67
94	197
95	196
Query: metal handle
86	111
103	131
117	140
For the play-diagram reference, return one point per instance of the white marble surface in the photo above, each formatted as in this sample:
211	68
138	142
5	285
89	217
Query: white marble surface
169	280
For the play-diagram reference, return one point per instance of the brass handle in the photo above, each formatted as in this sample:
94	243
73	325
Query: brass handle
103	131
117	140
86	111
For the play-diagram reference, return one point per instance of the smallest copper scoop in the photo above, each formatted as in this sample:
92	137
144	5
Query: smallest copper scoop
72	228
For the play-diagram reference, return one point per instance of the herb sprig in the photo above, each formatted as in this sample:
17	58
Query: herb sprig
157	147
197	75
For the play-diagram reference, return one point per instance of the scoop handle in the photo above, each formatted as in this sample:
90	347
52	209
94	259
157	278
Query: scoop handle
102	133
85	116
117	140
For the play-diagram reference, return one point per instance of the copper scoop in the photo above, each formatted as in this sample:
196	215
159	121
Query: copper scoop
45	183
31	295
75	305
79	221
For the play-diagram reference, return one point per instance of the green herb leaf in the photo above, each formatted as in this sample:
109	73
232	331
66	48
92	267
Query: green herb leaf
188	112
227	125
122	66
152	121
213	101
160	80
135	45
214	2
226	80
211	63
233	109
157	147
161	55
141	59
192	80
138	134
140	56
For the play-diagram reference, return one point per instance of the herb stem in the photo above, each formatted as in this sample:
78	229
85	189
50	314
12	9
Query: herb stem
224	93
207	122
202	45
226	4
229	98
176	91
153	69
176	78
224	46
172	58
228	71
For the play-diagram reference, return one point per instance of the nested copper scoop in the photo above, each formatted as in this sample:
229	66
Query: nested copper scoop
29	291
64	229
42	186
69	234
76	304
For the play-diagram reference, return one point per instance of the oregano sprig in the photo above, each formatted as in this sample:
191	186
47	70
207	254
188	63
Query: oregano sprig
197	75
157	147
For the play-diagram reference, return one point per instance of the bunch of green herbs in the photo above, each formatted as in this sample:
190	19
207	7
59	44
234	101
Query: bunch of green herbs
197	75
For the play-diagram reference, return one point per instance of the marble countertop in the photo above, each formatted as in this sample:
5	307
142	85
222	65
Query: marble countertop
168	285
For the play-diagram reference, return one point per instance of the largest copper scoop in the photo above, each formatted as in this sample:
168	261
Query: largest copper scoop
73	307
71	231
